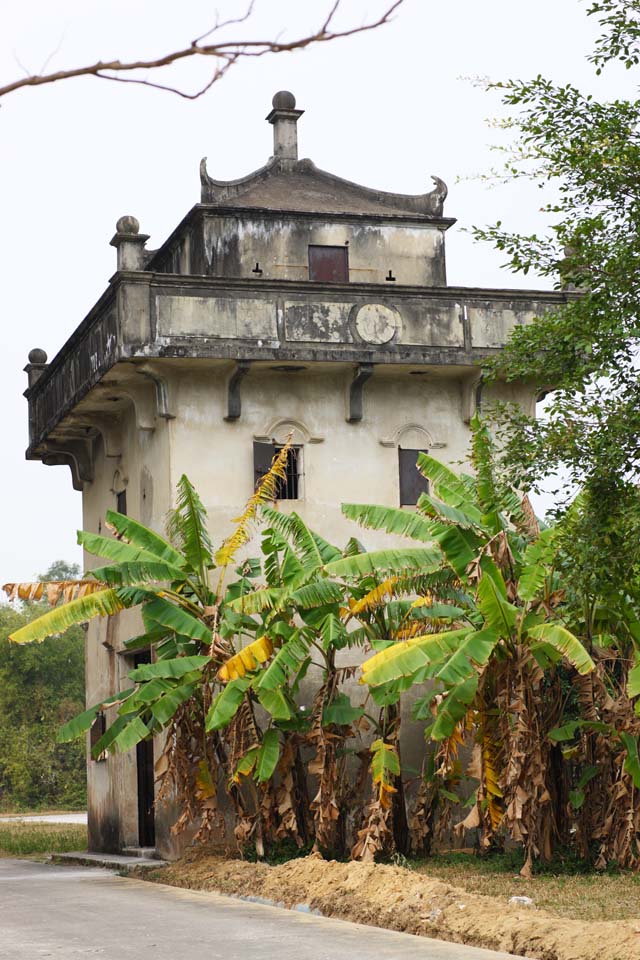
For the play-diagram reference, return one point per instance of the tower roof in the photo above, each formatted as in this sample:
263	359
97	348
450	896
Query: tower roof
287	183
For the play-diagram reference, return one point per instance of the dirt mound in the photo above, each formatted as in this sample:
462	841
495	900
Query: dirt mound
399	899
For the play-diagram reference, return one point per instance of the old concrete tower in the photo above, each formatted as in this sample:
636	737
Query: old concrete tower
288	300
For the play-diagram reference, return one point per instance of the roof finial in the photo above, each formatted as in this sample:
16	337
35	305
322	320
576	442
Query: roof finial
284	118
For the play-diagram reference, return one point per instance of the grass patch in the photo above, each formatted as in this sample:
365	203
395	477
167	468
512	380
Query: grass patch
565	888
22	839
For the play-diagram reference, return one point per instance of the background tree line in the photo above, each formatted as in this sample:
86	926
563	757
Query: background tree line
41	687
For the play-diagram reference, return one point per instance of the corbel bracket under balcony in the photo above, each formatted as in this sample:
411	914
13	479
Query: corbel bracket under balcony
234	396
356	392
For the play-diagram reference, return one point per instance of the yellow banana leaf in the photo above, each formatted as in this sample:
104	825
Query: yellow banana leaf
248	659
375	597
385	766
52	590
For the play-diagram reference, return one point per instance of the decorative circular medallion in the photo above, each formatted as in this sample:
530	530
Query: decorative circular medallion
377	323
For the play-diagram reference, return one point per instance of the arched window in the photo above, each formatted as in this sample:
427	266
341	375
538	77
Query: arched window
267	445
411	440
119	488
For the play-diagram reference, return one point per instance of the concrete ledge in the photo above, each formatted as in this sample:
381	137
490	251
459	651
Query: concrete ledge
111	861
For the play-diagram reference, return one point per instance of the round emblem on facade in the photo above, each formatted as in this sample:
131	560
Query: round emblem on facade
377	323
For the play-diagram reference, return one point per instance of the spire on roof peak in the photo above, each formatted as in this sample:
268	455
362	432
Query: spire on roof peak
284	118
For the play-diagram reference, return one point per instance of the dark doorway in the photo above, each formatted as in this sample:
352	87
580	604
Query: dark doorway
329	264
146	791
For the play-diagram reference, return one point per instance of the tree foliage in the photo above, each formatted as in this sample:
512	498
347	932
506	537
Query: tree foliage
585	154
40	688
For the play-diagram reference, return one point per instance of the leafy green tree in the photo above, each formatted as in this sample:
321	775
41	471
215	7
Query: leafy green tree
40	688
585	153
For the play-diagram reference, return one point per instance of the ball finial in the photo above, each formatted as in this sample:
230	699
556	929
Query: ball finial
37	355
284	100
128	224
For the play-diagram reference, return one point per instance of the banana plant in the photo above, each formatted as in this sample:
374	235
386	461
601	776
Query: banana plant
179	583
488	661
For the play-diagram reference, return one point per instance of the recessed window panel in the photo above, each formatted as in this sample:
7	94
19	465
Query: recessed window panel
329	264
412	482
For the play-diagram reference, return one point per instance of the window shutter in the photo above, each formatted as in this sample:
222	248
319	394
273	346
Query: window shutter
412	483
329	264
263	454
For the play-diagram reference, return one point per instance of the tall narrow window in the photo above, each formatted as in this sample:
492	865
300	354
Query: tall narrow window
145	776
97	731
121	502
329	264
288	488
412	483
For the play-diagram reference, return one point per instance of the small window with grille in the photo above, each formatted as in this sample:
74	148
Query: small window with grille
412	482
290	487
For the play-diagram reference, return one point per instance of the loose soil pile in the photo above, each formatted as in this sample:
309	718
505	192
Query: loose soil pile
401	899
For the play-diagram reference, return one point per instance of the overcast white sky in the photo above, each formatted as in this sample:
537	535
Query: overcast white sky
386	109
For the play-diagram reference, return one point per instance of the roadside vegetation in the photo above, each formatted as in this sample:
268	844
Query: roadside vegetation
563	888
24	839
526	688
40	688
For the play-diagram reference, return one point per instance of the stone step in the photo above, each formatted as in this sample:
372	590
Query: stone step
111	861
146	853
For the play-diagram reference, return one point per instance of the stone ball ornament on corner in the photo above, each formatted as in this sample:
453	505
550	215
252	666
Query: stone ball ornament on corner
128	224
37	356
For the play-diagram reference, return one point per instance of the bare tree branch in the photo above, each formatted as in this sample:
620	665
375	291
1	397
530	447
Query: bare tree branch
226	52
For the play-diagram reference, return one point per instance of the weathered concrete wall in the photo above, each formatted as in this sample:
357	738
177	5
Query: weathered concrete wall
142	471
341	462
234	244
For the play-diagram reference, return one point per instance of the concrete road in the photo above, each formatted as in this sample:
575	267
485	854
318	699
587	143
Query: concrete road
66	913
80	818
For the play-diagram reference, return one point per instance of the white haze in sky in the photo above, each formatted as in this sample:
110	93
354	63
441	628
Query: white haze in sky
385	109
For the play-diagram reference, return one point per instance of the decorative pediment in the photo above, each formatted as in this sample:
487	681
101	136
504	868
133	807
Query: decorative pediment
280	430
413	436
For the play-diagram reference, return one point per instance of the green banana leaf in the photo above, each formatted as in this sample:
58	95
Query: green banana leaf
424	560
225	706
148	540
447	485
166	614
537	559
492	602
453	708
80	724
404	658
475	649
168	668
285	664
565	643
267	756
393	520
